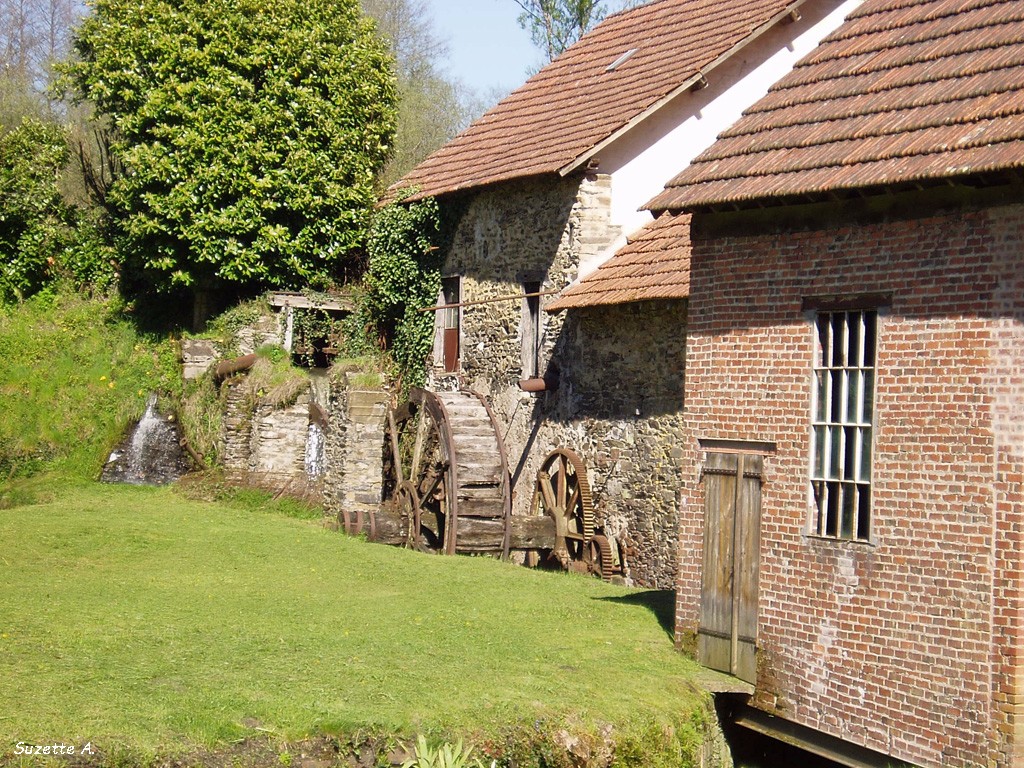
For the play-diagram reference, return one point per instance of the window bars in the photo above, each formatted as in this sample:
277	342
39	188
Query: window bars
843	405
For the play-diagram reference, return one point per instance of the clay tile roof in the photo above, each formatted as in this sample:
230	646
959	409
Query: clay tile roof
905	91
655	264
568	108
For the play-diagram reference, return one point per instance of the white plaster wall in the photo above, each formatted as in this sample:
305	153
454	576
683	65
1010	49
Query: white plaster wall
648	156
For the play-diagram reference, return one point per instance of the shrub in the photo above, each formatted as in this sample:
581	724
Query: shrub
42	237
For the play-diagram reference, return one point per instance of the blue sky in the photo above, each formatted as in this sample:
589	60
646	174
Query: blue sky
487	49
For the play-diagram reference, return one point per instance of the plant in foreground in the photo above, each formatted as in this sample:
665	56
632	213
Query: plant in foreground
443	756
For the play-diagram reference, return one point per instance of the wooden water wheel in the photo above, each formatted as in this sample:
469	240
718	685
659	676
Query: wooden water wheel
445	473
562	493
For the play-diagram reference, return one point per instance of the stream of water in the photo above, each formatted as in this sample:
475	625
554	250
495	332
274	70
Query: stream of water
150	454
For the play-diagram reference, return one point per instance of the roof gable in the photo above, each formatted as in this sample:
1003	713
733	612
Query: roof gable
906	91
580	100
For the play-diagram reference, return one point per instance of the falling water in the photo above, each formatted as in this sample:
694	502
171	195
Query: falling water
150	455
314	450
319	392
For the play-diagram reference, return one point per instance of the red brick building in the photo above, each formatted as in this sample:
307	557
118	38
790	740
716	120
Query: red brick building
852	531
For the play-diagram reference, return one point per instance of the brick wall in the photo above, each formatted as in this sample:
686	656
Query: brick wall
621	368
909	644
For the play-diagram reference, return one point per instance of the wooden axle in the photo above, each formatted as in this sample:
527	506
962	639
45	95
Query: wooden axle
476	534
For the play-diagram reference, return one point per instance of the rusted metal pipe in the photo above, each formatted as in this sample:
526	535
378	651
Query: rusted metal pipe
536	384
546	383
492	300
227	368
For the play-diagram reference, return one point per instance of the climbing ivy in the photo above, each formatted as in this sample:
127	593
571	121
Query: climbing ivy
313	329
403	276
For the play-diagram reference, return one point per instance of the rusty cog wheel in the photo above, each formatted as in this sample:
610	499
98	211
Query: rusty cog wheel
563	493
600	558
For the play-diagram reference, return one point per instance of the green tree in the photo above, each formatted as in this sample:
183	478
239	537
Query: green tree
33	218
247	134
554	25
42	236
432	106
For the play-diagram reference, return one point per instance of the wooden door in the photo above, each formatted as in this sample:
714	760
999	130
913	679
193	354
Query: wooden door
451	295
727	637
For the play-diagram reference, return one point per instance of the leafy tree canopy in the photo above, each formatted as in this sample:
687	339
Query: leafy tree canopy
42	237
248	133
554	25
433	106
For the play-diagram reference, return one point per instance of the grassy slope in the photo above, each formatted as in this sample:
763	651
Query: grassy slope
73	374
134	616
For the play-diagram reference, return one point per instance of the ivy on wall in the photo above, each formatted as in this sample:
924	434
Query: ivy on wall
404	275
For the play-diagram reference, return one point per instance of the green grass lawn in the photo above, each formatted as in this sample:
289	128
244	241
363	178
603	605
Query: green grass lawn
136	618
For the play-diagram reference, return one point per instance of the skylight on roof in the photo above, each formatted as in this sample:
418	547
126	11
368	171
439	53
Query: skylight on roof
621	60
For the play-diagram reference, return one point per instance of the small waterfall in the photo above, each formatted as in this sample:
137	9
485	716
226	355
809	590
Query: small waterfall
314	450
150	455
319	392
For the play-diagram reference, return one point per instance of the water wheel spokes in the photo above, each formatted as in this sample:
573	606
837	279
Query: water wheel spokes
563	493
446	479
418	472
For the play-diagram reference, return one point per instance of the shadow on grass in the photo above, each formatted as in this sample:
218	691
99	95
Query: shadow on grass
660	602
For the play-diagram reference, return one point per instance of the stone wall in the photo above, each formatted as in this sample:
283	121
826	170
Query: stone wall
343	424
266	443
619	369
620	406
354	446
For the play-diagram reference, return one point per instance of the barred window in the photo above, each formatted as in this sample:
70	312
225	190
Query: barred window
843	401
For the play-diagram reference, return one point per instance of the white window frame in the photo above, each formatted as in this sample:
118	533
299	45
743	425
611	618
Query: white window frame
445	319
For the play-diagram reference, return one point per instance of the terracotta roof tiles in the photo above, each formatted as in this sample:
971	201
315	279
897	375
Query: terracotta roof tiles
904	91
577	102
655	264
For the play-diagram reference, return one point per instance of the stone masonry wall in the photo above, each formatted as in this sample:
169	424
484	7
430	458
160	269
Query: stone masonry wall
620	368
620	406
355	442
909	643
268	445
278	441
